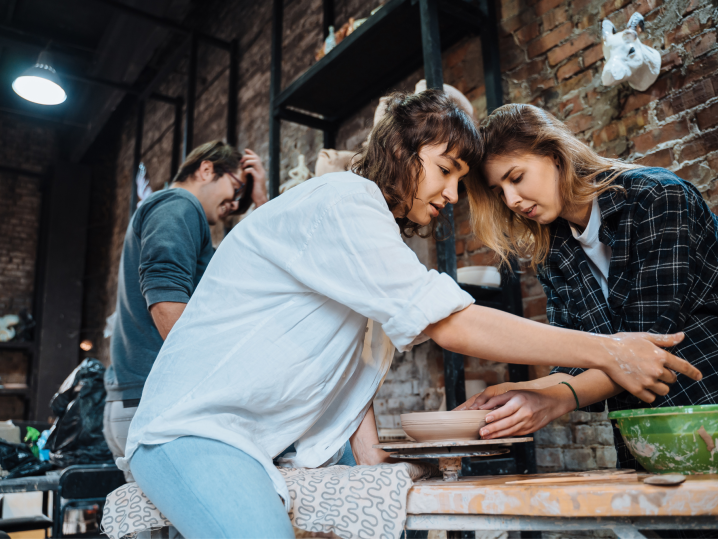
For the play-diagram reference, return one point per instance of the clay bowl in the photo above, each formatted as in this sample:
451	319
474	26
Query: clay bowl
437	426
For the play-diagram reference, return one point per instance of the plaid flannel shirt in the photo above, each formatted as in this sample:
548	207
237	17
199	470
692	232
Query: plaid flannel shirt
663	278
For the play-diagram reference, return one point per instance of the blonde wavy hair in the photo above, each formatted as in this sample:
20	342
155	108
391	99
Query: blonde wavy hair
518	129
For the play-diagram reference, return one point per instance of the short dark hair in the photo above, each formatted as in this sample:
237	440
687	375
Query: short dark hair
391	156
224	158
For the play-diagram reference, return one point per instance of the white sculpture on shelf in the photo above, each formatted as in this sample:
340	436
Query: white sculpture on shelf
7	331
627	59
297	175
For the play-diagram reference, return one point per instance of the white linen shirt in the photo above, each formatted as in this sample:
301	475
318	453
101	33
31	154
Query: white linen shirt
270	348
598	254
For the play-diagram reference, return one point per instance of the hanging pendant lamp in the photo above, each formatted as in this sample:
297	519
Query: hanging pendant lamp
40	84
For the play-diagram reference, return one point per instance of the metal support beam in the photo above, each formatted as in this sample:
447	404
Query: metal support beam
445	247
190	97
305	119
233	97
275	87
164	22
139	132
330	138
176	139
490	54
328	18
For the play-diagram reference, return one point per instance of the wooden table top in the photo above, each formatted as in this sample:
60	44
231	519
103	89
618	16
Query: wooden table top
490	495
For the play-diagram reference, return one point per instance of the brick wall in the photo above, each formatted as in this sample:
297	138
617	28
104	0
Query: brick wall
551	57
31	147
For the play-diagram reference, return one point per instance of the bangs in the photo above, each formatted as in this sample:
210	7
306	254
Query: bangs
459	132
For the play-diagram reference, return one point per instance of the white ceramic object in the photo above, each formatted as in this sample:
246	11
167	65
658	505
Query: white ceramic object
435	426
479	276
627	59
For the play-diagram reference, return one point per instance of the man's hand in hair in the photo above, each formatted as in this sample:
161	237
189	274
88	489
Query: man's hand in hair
252	165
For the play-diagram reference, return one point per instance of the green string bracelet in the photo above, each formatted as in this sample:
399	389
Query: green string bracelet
574	395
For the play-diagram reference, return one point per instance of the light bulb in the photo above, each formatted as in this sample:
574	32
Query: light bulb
39	90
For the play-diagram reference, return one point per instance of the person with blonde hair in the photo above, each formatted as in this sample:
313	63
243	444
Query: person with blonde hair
618	247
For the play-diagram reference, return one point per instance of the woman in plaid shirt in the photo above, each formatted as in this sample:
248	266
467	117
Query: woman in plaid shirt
618	247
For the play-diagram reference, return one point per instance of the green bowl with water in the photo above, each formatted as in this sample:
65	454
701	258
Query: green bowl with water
678	439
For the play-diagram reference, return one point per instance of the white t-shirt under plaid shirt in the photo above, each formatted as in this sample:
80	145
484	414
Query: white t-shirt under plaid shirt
270	349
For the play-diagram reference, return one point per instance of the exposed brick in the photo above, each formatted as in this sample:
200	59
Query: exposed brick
535	307
639	99
670	60
578	43
553	436
460	246
612	5
544	6
688	27
542	83
473	244
585	434
550	40
549	458
606	457
579	81
578	5
708	117
604	434
691	97
571	106
579	459
580	123
689	172
568	69
702	44
707	65
673	131
592	55
700	146
527	70
662	158
527	33
484	258
509	26
692	6
553	18
511	55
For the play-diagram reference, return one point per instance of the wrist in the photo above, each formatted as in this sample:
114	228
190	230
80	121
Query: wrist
565	399
597	355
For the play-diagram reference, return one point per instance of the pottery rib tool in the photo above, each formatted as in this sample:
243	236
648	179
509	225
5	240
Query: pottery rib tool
578	479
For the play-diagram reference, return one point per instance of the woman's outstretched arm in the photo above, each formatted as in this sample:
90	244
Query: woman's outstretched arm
633	360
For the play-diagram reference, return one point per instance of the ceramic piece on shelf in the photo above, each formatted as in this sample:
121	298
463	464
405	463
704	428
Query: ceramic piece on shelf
479	276
627	59
434	426
7	331
454	94
667	480
297	175
329	160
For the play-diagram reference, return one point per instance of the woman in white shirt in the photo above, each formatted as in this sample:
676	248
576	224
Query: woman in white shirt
293	326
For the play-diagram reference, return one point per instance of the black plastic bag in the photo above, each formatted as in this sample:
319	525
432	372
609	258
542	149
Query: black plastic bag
76	437
20	462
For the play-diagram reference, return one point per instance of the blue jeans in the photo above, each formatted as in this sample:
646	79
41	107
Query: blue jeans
210	489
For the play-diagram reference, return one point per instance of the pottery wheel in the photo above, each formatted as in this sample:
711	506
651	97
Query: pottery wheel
450	452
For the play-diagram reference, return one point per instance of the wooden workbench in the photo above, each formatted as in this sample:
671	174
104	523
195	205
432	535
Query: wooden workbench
488	503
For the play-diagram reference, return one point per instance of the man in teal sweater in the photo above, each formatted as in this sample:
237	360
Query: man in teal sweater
166	251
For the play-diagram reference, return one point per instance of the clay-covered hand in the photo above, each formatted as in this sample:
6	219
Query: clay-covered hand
635	363
490	392
525	411
421	470
252	164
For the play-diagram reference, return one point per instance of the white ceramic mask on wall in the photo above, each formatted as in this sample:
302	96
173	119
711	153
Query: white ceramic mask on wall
627	59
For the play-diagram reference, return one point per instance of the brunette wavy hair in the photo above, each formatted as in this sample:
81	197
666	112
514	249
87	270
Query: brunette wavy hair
390	158
525	129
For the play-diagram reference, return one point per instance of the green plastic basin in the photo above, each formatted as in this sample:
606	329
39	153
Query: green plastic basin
679	439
